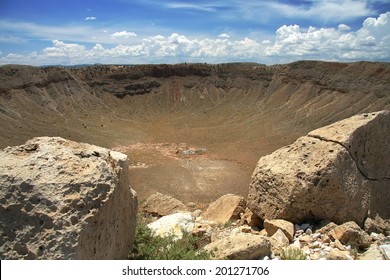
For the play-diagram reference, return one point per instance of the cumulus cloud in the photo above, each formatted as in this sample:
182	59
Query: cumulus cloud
123	34
291	42
223	35
90	18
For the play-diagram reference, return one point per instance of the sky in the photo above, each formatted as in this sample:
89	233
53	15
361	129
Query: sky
69	32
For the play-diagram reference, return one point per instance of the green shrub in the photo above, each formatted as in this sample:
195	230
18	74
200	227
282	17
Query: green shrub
293	254
149	247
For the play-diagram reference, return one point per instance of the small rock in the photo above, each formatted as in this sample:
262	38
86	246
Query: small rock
304	227
309	231
245	229
336	254
297	244
306	238
316	235
196	213
279	241
316	244
337	244
325	238
272	226
350	233
385	249
173	224
225	209
373	253
202	230
242	246
162	205
249	218
315	256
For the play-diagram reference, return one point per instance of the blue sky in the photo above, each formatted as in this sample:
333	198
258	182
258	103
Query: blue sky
156	31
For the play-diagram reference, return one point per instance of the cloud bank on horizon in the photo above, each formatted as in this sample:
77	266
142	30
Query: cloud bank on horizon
151	31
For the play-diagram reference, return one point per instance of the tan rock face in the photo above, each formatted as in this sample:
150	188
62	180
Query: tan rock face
163	205
242	246
279	241
225	208
272	226
65	200
336	254
339	173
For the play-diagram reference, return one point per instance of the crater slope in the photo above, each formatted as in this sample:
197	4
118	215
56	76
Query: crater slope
193	131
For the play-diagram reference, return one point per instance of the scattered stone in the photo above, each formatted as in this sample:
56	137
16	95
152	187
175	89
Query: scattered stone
337	244
271	226
325	227
173	224
385	249
304	227
309	231
162	205
65	200
306	239
336	254
242	246
372	253
350	233
279	241
225	209
249	218
377	224
201	229
337	172
245	229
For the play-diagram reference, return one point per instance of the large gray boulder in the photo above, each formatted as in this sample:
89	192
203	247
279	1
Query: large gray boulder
340	172
65	200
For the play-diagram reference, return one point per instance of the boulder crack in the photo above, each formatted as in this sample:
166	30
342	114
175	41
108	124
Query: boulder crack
350	154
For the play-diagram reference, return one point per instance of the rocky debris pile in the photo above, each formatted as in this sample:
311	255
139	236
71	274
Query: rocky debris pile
235	232
340	173
65	200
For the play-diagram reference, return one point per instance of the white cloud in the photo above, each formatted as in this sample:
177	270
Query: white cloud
343	27
291	42
123	34
223	35
90	18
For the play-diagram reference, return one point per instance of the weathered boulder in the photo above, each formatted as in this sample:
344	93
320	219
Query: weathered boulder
163	205
225	208
350	233
241	246
272	226
65	200
173	225
340	172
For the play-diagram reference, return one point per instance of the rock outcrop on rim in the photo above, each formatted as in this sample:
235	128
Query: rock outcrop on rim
65	200
340	172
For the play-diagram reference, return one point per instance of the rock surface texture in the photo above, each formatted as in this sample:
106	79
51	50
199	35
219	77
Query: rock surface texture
225	209
65	200
340	172
162	205
242	246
